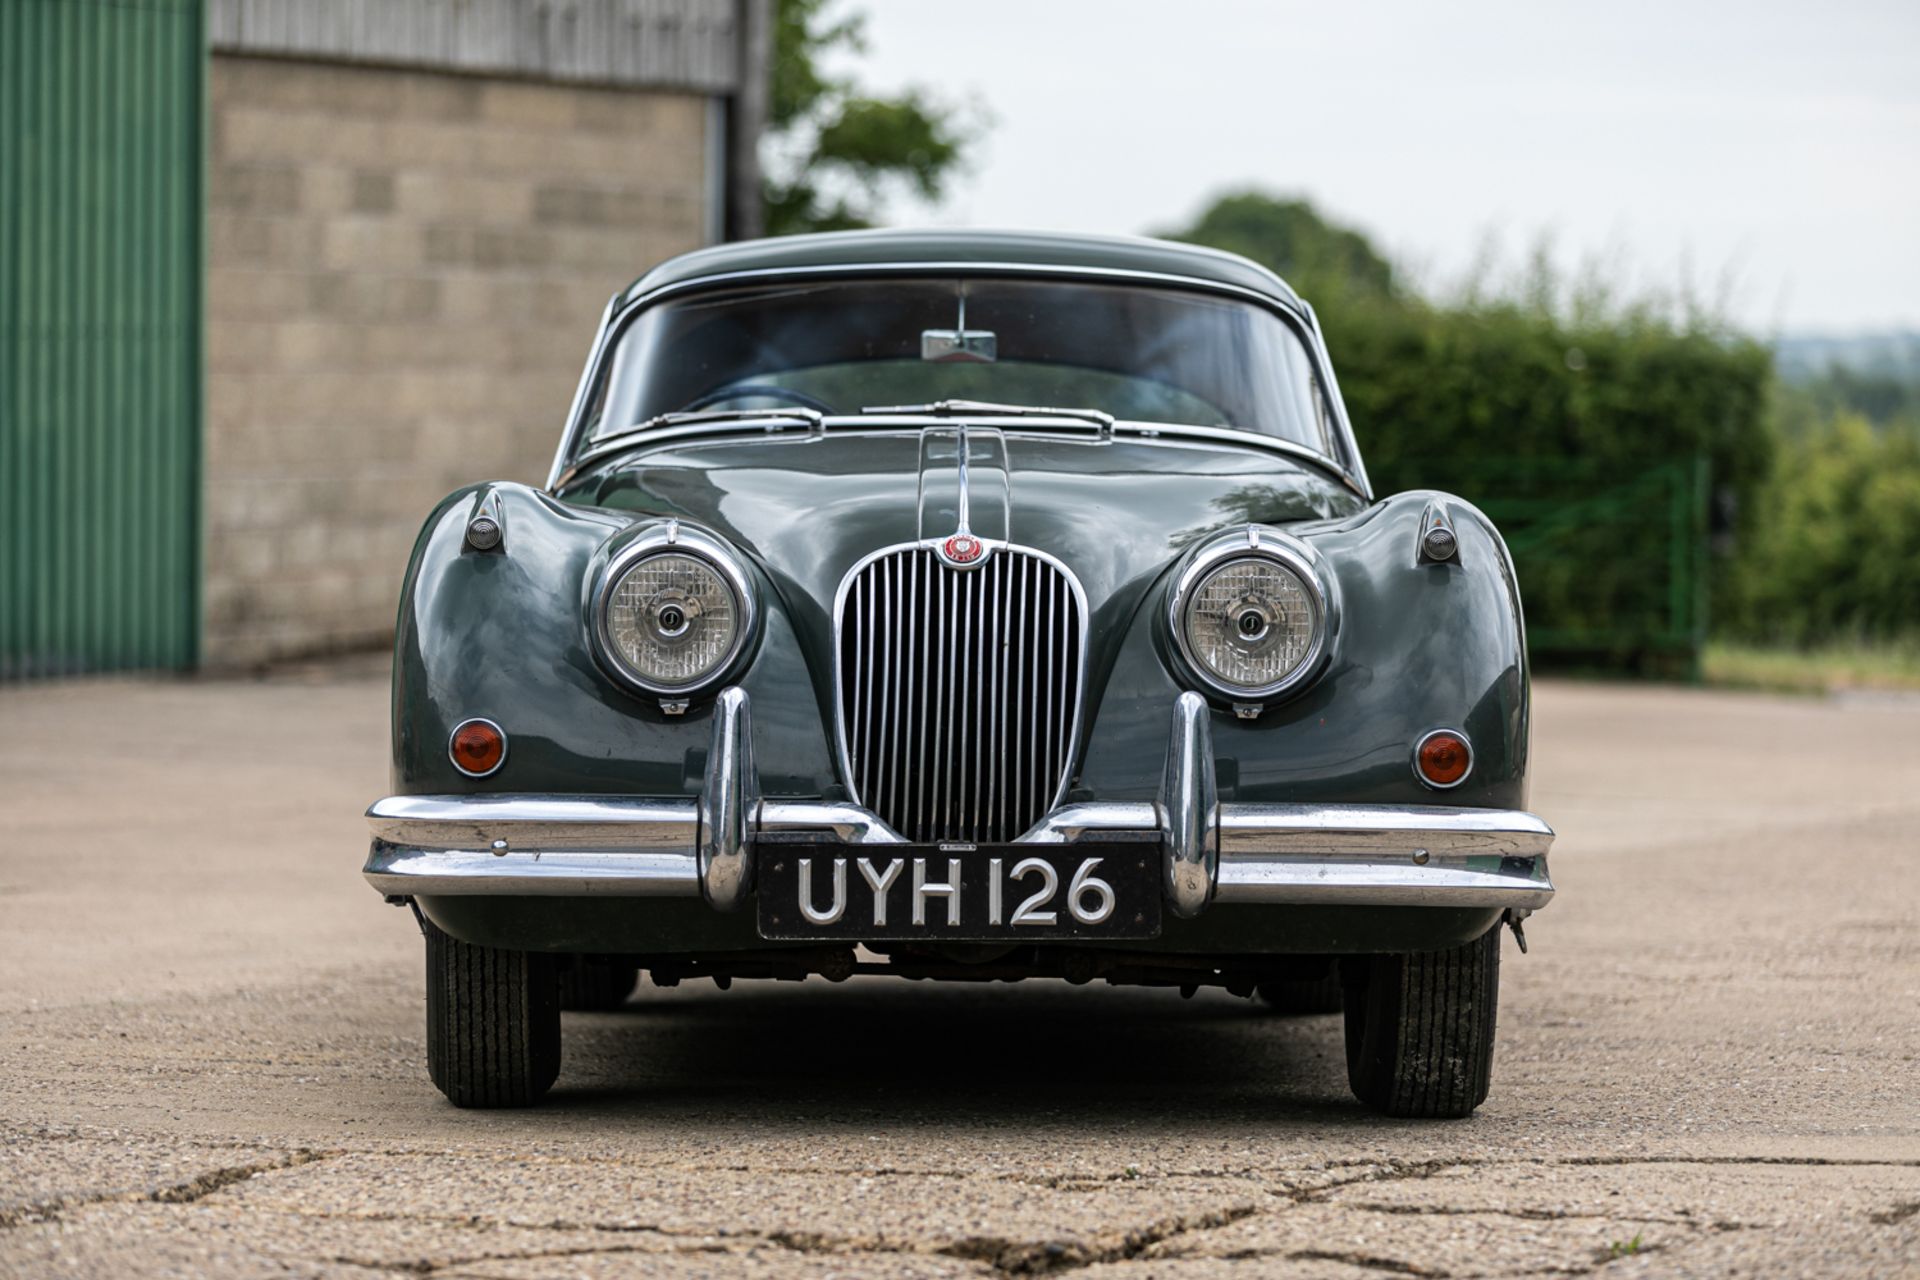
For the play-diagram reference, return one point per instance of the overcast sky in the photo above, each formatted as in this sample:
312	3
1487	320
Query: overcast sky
1776	145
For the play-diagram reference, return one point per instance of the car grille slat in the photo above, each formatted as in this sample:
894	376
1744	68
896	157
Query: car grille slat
959	691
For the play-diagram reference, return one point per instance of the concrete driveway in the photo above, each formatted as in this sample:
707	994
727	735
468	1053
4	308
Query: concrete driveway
211	1055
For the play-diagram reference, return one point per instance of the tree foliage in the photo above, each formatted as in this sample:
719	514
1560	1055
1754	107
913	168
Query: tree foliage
1834	550
1540	398
1529	393
835	153
1880	398
1289	236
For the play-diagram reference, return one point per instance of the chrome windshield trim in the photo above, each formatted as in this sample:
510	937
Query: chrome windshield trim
1357	465
570	431
1298	316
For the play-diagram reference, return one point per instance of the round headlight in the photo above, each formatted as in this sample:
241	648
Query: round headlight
672	617
1251	620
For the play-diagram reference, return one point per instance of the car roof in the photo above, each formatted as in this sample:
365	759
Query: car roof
903	247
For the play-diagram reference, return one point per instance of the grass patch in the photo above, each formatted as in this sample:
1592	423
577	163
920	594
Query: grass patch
1818	670
1624	1248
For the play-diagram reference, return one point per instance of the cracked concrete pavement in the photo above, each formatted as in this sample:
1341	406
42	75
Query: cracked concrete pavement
211	1057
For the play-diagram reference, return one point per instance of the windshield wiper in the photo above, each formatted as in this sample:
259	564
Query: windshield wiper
598	446
815	421
949	408
811	417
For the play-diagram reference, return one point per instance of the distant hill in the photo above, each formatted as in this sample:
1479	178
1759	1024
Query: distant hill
1805	358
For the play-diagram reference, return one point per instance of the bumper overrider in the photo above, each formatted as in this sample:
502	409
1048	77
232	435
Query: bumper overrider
576	845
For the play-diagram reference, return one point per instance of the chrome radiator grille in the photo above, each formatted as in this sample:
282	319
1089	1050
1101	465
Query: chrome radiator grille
959	691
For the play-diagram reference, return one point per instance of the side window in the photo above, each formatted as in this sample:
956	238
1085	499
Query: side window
1304	399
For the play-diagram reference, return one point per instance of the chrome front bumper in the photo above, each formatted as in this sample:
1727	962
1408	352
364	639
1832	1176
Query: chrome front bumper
1381	855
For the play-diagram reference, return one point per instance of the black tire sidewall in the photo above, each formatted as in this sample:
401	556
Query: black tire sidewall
1394	1064
493	1022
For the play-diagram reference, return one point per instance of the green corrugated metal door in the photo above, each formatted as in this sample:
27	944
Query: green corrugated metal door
101	120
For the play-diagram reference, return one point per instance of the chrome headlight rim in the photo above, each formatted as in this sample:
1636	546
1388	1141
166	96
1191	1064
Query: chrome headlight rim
673	538
1259	543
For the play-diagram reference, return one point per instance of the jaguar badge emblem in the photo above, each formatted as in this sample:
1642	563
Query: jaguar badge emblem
962	548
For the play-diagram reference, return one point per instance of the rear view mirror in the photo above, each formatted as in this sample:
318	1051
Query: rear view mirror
958	346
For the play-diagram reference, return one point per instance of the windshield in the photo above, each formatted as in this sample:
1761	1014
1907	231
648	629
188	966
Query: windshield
1141	354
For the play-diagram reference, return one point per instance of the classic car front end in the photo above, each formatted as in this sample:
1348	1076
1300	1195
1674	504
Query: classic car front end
830	648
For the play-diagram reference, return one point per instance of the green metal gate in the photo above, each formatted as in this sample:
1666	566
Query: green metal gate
1611	557
1614	564
101	156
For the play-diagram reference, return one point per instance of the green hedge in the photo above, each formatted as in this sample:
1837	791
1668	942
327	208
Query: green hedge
1832	549
1581	440
1579	423
1425	384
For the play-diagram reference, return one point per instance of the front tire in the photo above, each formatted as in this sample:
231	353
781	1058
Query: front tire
493	1022
1420	1029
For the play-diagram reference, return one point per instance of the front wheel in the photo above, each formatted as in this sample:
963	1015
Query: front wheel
493	1022
1420	1029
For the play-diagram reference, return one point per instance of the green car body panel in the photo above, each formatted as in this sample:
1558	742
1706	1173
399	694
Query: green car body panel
505	633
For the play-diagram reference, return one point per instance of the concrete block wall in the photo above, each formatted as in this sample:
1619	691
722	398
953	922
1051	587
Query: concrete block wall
404	272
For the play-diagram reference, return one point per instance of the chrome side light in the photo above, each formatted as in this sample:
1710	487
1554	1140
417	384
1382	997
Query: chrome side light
483	533
1438	542
486	526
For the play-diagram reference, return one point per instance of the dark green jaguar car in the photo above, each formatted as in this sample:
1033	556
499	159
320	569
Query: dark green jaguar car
969	606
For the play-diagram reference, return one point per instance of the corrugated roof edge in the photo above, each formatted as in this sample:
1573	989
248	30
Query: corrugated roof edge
902	246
